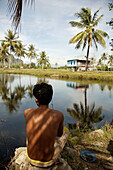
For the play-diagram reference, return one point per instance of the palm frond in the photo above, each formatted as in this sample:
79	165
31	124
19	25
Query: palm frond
85	42
99	38
15	10
98	19
77	24
76	37
95	15
95	43
103	33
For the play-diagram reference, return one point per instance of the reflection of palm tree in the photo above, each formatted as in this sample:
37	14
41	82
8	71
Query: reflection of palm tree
30	91
42	80
110	88
5	92
86	115
20	92
11	102
102	86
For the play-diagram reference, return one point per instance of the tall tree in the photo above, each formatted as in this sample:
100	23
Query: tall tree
99	63
90	34
111	24
110	61
20	51
56	64
104	58
11	42
15	10
31	53
4	53
43	60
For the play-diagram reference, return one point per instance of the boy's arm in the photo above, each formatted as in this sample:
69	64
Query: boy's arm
60	128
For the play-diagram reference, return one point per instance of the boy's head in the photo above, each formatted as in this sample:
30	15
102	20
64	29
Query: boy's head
43	93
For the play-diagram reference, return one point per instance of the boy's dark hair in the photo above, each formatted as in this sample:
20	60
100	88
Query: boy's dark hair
43	92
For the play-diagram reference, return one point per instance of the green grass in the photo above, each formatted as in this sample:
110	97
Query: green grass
66	74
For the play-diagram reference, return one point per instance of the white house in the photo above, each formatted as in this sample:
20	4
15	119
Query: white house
78	63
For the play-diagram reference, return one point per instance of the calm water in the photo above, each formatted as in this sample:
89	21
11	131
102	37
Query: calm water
90	104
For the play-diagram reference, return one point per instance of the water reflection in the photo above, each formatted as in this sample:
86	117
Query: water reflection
12	97
85	114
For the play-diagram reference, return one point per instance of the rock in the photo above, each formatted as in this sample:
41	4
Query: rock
20	162
71	152
96	133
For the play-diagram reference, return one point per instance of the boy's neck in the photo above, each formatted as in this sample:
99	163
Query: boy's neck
43	106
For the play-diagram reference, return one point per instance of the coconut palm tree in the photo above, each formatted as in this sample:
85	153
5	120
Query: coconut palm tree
90	34
43	60
31	53
10	42
110	61
15	10
104	57
4	52
56	64
20	51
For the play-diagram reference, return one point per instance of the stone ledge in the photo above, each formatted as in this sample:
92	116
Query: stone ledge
20	162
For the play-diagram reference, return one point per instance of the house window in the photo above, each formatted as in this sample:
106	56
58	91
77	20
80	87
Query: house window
71	62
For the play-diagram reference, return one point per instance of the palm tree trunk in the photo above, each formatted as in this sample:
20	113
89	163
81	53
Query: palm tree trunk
4	63
9	61
30	63
86	112
20	62
87	56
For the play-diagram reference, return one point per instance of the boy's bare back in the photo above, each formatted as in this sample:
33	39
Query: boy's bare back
43	125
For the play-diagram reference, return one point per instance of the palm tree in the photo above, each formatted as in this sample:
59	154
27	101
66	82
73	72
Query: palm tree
110	61
99	63
43	60
15	10
56	64
89	35
11	42
32	53
104	57
20	51
4	52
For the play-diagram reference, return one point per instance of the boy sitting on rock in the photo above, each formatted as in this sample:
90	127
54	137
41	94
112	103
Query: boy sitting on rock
44	129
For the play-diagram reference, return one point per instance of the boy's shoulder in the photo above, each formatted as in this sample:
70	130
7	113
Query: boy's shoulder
27	111
58	113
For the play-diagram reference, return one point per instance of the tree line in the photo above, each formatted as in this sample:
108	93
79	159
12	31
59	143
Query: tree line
12	46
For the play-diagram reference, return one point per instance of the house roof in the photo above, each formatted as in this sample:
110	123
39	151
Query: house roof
79	58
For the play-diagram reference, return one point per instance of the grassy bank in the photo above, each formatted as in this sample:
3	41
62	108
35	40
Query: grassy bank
58	73
99	142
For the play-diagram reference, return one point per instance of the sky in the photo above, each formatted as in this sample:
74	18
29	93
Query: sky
46	26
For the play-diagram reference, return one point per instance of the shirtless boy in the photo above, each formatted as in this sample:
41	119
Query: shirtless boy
44	129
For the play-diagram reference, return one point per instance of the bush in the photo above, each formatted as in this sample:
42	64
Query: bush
16	66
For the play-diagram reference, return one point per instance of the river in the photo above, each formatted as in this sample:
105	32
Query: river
90	104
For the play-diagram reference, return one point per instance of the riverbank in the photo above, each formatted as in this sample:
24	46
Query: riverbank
103	76
99	142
